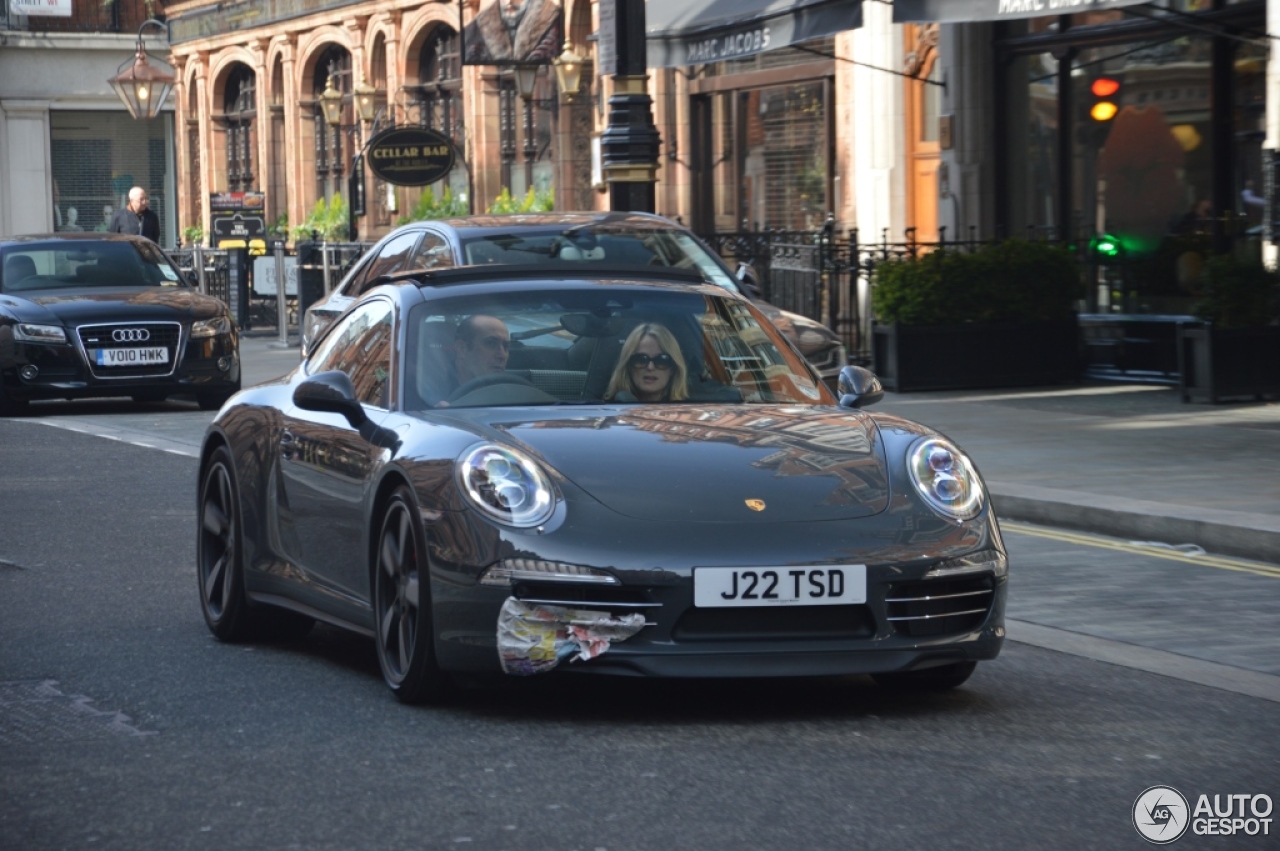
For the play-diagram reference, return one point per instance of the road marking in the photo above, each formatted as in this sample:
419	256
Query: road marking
1087	540
123	435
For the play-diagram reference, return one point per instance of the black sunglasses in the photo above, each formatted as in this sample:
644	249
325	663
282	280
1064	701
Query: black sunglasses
640	361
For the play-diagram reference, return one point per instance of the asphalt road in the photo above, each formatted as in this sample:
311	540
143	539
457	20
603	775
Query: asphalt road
123	724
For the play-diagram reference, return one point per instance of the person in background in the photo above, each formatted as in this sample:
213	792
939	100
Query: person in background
137	217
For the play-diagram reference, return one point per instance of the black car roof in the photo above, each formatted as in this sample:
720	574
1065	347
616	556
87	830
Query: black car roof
71	236
549	271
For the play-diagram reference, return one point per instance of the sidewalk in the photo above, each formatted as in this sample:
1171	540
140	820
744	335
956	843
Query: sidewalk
1128	460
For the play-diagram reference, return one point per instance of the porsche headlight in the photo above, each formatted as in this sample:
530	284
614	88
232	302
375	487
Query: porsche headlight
506	485
945	478
211	327
32	333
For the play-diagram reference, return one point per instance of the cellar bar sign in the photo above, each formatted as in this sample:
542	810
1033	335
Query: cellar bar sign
410	156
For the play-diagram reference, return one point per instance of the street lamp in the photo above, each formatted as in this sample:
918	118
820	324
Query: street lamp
331	103
568	67
142	86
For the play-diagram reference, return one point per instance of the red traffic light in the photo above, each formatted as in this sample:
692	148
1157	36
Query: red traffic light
1105	87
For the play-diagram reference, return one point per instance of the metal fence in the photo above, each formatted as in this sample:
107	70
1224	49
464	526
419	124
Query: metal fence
94	16
249	285
826	274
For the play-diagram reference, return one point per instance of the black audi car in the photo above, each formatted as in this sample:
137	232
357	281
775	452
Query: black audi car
87	315
556	469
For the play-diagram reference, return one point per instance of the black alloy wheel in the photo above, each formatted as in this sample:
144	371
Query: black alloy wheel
218	553
941	678
220	565
402	605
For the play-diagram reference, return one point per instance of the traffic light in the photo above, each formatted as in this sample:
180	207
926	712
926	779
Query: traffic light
1105	92
1106	249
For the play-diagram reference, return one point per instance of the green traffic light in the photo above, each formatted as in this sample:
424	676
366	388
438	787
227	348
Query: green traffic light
1106	245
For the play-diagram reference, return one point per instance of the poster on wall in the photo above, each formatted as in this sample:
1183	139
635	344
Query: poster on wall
46	8
513	32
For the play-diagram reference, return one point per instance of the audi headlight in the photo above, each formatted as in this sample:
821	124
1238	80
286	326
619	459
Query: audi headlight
506	485
39	333
211	327
945	478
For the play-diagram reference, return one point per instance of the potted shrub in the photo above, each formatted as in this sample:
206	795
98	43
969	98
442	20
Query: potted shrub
193	235
1236	352
1001	316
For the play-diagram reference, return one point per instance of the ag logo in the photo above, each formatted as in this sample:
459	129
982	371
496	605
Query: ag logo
1161	815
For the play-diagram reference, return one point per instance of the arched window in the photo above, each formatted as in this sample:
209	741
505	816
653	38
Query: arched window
439	89
332	160
240	109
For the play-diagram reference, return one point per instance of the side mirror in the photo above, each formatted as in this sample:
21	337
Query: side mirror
859	387
750	280
333	393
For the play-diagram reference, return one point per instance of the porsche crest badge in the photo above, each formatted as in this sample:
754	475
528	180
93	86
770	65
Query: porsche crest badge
755	504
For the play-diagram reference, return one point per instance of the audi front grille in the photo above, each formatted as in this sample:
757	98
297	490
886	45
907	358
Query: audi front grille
125	340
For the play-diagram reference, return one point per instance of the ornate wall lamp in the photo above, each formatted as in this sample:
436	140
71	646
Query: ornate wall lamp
143	87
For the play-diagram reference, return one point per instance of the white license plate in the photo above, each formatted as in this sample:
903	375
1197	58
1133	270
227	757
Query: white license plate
779	586
131	357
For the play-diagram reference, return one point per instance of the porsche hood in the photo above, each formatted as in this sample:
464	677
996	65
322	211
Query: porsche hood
715	464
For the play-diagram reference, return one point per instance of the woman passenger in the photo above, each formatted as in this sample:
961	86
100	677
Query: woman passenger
650	368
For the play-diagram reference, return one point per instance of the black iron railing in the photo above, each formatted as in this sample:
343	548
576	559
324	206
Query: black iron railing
87	16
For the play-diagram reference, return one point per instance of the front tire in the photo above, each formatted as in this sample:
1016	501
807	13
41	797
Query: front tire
402	605
941	678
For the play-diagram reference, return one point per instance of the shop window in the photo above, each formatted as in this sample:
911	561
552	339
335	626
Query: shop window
438	97
96	157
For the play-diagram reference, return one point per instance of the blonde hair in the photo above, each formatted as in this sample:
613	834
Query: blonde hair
677	388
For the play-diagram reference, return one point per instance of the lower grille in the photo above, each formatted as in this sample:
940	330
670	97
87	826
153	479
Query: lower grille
769	623
134	336
939	607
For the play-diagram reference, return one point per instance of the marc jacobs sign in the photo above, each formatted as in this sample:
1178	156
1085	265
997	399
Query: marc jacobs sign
732	46
411	156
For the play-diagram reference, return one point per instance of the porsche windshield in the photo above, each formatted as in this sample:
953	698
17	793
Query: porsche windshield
629	344
611	244
62	264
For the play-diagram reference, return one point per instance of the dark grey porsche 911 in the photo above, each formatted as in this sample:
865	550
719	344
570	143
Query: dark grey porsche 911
525	470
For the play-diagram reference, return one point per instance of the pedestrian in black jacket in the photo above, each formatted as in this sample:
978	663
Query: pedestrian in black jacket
137	217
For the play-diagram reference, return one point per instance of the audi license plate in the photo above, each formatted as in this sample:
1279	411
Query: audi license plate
144	356
779	586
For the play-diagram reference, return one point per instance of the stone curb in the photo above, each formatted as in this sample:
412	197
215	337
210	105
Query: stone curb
1250	536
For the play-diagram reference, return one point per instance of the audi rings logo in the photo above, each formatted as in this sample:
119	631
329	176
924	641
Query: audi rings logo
131	335
1161	815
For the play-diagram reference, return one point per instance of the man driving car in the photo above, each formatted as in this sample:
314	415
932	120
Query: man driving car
481	347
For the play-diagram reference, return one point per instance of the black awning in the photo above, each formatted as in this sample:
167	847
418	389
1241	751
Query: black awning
691	32
967	11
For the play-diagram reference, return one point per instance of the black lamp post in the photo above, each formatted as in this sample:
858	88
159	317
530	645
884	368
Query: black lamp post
364	98
629	144
143	87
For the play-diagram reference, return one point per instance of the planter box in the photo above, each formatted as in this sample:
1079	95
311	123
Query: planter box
975	355
1217	364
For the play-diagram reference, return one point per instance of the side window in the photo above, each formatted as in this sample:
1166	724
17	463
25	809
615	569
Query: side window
433	253
360	346
393	257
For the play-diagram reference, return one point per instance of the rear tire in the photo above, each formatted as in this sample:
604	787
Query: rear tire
941	678
219	553
220	566
402	605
